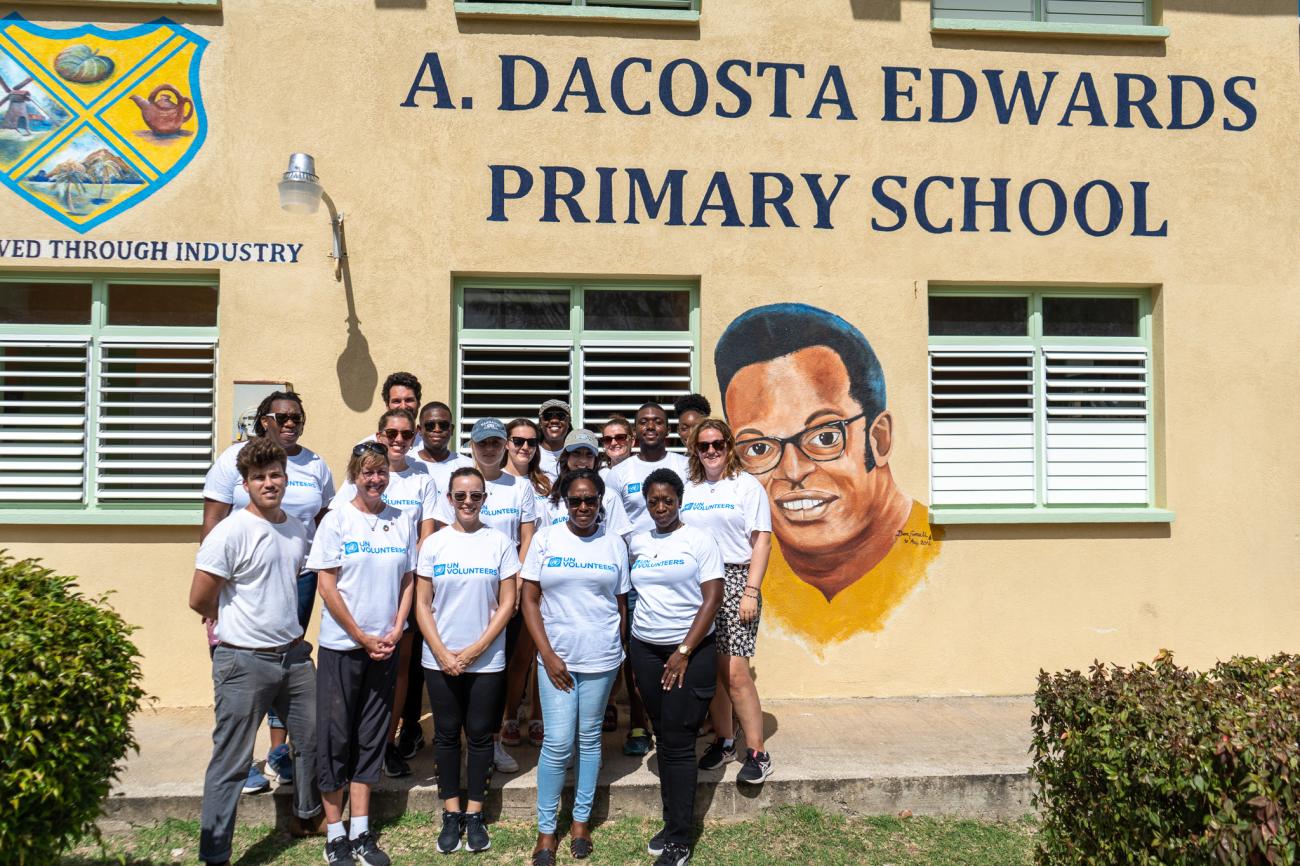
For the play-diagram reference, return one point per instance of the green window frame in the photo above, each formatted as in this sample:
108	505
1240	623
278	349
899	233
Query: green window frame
505	372
1124	19
1042	428
651	11
140	399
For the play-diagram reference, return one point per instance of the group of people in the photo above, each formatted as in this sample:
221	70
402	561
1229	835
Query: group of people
548	553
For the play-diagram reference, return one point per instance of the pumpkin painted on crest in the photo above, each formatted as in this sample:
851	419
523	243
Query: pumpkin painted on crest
82	64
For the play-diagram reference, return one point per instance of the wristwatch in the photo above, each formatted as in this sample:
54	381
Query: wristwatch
685	649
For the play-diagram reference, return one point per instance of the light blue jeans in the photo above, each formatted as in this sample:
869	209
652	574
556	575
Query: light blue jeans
576	714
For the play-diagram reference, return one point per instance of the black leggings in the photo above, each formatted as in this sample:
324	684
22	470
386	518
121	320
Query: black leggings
410	710
472	702
676	716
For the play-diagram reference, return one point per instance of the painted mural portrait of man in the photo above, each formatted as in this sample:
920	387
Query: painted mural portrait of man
805	394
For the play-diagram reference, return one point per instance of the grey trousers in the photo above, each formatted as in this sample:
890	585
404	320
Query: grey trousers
246	684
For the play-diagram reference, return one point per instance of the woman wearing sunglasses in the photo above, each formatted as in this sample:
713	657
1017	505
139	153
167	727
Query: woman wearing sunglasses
677	573
364	553
581	451
282	419
732	507
411	490
616	439
466	592
575	600
435	439
511	508
523	460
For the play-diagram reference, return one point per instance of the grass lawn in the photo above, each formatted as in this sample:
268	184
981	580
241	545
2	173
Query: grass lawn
800	834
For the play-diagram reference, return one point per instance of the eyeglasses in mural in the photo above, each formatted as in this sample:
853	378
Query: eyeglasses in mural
805	394
94	121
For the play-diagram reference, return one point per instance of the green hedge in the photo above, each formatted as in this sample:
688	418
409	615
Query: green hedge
1161	766
69	684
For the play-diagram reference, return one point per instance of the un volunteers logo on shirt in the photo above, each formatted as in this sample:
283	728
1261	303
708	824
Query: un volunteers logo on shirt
94	121
634	487
439	570
554	562
351	547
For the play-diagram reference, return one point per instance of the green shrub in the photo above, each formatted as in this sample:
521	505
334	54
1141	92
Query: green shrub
69	684
1161	766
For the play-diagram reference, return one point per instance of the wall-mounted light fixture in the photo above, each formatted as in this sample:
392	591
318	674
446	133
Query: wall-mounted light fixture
301	192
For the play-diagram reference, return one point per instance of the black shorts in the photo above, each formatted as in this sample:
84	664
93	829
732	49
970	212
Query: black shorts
354	703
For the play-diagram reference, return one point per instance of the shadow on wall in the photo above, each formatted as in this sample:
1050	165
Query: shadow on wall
358	376
876	10
1054	531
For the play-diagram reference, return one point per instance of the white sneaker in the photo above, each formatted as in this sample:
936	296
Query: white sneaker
501	758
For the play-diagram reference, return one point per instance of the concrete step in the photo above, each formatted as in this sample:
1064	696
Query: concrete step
962	757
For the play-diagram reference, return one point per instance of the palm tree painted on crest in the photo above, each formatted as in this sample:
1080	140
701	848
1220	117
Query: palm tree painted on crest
104	170
72	177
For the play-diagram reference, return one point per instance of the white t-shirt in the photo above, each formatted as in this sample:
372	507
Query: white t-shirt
440	469
260	561
627	477
581	580
728	510
615	520
510	502
371	552
667	570
549	462
309	489
467	570
412	491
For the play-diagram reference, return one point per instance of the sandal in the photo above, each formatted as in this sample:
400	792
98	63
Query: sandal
510	733
581	848
536	733
544	857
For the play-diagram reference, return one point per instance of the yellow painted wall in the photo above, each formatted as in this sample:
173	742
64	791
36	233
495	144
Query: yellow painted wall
1000	601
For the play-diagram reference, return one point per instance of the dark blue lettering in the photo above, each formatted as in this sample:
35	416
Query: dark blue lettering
968	95
616	85
701	94
541	83
726	202
892	93
499	193
605	208
639	185
1125	103
1022	91
1140	229
1177	85
970	186
551	194
780	84
1247	108
779	202
437	85
1088	88
1060	208
923	212
888	202
582	70
834	79
1113	199
823	201
743	100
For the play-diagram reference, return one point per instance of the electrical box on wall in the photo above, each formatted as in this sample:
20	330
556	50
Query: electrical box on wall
246	396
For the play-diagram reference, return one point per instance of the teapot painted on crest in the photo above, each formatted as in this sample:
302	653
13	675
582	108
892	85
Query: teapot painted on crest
165	110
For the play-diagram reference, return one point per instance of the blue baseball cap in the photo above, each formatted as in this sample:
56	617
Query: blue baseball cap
487	428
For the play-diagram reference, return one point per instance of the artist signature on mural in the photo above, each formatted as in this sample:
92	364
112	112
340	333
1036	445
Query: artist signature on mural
914	538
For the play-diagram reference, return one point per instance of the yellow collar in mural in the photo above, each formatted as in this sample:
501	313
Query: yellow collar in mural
864	605
94	121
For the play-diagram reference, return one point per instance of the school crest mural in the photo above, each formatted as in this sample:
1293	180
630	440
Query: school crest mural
805	394
94	121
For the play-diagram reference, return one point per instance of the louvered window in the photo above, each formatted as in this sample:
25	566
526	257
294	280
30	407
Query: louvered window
107	396
1039	401
606	348
1124	12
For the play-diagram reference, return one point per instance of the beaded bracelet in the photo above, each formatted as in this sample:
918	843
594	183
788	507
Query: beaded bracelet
747	590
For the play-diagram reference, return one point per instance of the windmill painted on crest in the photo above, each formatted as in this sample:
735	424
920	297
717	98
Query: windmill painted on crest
22	110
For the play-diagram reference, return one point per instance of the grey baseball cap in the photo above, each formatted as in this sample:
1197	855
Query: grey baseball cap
554	404
487	428
581	439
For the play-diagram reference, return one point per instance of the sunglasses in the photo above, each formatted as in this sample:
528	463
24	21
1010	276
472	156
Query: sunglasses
431	426
555	415
523	442
373	447
471	495
578	501
283	418
394	433
719	445
620	438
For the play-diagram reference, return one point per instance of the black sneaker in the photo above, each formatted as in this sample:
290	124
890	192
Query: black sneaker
476	834
674	854
449	838
758	766
717	754
365	848
394	765
656	844
339	852
410	741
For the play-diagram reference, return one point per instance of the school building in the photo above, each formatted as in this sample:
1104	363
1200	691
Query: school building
1054	242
